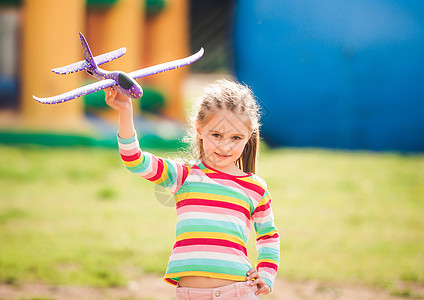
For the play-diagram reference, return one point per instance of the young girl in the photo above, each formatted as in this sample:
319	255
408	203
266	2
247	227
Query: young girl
217	197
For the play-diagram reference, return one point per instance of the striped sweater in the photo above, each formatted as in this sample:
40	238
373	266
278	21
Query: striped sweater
214	215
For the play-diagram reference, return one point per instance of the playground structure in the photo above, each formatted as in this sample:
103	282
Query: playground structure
152	31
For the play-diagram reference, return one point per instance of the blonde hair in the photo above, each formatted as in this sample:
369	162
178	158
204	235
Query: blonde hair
234	97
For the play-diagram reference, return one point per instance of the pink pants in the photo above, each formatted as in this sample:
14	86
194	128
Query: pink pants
234	291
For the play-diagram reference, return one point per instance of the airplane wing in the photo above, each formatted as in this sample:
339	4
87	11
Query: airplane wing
90	88
107	57
166	66
82	65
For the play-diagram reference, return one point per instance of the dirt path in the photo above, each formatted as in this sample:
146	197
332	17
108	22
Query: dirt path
151	287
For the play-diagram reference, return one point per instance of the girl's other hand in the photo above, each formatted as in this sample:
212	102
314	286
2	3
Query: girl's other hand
263	288
117	100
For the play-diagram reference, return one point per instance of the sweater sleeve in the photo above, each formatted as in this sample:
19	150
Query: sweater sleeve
165	172
267	240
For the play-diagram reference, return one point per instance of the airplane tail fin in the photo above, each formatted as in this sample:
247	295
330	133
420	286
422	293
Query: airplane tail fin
87	52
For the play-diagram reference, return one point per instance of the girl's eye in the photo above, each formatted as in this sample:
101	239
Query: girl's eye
236	138
217	135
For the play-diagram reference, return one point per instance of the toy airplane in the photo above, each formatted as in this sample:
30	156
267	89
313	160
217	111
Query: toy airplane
122	82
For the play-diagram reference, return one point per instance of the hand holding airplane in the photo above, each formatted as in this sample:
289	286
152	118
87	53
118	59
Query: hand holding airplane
122	82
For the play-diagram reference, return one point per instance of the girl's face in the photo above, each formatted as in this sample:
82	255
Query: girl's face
224	138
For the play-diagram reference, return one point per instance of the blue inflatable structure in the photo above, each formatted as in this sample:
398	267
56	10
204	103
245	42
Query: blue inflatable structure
343	74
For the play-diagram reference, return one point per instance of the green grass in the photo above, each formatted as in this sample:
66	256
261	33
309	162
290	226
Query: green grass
76	216
349	216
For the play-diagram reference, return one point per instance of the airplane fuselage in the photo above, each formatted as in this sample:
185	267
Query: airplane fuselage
125	84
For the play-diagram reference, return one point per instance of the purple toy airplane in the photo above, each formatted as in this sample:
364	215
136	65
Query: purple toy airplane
122	82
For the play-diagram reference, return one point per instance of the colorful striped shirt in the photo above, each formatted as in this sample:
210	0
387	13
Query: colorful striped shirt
214	215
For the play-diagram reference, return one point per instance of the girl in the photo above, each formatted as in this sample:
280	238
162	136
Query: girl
217	197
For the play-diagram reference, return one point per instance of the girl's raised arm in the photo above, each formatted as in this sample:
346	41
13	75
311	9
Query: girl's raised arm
167	173
123	105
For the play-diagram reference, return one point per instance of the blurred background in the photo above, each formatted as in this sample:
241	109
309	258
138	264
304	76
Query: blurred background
339	83
335	75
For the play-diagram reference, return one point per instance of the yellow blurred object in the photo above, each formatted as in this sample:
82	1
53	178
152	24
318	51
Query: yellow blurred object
167	39
49	39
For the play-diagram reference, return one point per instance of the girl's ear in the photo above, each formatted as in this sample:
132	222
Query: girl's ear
198	130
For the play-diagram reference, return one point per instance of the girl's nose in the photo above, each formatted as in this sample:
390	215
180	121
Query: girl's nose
225	145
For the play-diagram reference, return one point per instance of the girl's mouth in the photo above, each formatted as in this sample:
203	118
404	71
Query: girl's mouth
221	156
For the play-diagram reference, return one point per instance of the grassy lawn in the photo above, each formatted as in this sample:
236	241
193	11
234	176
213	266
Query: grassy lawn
76	216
